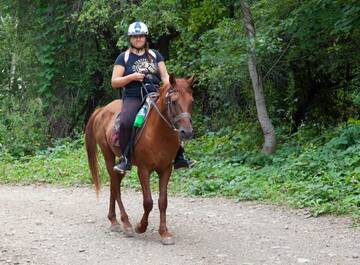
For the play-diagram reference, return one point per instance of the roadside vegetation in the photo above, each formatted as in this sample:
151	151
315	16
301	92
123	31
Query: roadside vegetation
316	168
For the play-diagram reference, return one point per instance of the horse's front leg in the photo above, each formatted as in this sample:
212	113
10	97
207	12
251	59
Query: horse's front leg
166	236
144	176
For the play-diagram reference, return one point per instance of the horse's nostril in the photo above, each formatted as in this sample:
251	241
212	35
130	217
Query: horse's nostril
185	134
182	133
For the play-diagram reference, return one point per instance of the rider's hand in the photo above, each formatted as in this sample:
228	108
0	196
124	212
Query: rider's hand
137	77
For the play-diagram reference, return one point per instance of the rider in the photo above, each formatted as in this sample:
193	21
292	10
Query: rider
135	69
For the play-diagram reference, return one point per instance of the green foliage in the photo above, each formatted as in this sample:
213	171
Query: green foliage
63	164
321	173
308	52
22	127
316	48
315	168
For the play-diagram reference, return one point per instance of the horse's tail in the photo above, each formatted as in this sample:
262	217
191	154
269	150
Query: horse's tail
91	150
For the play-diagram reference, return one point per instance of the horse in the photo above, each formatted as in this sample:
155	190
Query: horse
168	123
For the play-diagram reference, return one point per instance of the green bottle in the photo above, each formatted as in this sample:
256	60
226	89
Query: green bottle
140	117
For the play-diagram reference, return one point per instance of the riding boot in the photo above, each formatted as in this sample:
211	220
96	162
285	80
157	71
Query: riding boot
123	165
125	161
180	160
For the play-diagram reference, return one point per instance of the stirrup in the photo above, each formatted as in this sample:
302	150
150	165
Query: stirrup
123	165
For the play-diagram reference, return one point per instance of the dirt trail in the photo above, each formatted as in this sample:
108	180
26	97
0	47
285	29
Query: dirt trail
52	225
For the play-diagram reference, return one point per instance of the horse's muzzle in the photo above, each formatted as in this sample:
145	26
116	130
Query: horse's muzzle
185	133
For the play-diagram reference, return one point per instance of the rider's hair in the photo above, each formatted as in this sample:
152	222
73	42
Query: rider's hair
148	55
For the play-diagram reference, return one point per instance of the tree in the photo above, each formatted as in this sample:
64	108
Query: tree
269	145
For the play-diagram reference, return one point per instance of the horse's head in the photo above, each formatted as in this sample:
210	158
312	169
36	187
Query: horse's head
179	101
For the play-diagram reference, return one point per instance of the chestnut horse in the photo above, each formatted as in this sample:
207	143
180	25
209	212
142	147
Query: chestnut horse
168	122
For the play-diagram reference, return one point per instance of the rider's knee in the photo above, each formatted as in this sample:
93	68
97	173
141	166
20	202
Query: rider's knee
125	124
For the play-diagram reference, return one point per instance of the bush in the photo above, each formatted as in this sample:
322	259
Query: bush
22	127
320	172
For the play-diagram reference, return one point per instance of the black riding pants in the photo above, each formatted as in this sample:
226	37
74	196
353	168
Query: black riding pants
127	116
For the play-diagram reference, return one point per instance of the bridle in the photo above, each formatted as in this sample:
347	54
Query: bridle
172	119
170	112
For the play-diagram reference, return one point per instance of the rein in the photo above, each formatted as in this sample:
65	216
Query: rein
152	101
173	120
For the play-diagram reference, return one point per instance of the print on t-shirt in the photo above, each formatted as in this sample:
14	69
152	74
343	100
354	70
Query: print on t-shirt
143	66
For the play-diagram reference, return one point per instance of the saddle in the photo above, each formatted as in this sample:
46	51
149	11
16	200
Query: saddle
151	97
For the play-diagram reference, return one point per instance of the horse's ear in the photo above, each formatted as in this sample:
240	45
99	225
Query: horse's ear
172	79
191	80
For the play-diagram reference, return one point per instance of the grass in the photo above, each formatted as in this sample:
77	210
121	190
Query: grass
314	168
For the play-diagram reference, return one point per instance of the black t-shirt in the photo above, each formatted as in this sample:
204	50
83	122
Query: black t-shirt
140	64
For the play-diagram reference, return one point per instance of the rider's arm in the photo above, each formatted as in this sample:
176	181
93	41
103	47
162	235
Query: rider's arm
118	79
163	73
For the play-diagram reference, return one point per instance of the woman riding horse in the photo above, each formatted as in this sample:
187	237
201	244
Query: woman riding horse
139	70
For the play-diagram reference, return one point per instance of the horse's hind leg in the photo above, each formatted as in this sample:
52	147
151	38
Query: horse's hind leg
115	226
144	176
115	195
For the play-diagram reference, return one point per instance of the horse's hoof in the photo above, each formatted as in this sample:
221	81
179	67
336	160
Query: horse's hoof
139	229
128	231
168	240
115	228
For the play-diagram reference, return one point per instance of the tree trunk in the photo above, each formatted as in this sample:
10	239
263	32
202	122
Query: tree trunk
13	61
12	71
266	125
